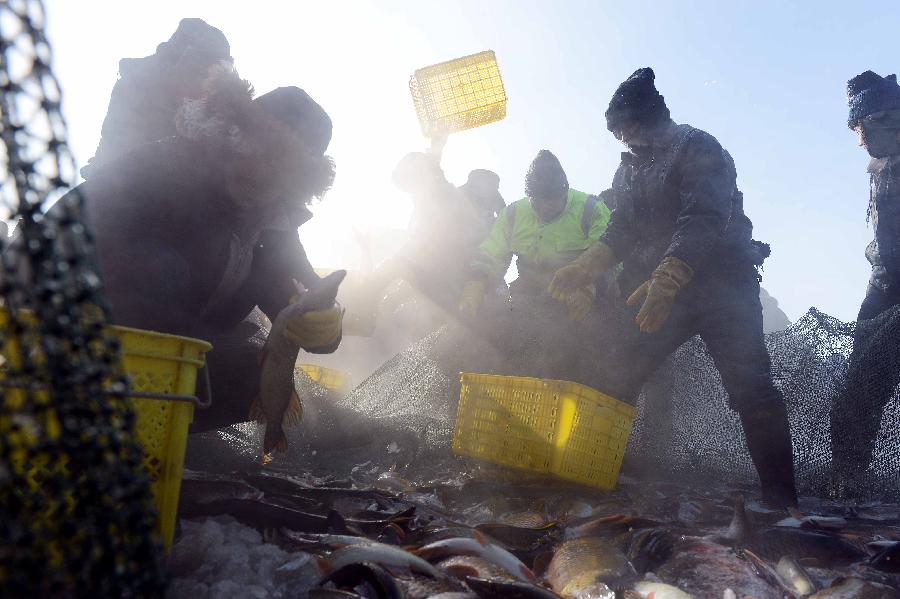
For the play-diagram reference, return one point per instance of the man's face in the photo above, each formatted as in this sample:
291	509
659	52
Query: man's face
550	207
879	142
631	133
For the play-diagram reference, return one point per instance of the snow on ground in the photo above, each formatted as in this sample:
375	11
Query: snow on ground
223	559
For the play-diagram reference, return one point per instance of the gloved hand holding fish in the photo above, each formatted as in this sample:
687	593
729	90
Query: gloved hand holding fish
312	321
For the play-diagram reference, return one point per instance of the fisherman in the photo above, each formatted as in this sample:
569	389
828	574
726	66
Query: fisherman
689	267
446	226
195	231
872	375
483	190
545	230
150	90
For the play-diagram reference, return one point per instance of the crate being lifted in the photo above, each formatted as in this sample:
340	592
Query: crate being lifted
459	94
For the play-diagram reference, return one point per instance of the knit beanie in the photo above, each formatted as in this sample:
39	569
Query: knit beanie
868	93
546	177
637	99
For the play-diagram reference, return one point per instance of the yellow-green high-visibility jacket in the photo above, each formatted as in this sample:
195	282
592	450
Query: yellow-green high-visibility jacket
541	248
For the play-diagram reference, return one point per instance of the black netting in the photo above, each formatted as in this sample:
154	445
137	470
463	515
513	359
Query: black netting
685	427
77	515
683	424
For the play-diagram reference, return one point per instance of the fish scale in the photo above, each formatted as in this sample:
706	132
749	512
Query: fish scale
587	567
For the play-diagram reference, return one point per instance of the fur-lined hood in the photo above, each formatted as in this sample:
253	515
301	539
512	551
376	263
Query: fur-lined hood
268	156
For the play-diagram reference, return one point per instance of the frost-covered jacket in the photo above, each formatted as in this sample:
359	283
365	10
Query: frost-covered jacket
884	212
681	200
177	253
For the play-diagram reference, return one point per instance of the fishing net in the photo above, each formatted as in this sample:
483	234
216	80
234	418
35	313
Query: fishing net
683	426
77	513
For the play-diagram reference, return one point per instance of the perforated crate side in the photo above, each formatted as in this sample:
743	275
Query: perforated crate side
597	439
459	94
506	420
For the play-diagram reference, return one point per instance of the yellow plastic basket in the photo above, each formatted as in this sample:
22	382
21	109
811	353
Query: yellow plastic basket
167	364
159	364
458	94
544	426
330	378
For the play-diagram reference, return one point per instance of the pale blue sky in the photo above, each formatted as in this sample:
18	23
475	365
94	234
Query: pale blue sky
766	78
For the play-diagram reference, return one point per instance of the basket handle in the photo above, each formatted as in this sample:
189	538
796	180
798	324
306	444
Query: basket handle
206	401
202	404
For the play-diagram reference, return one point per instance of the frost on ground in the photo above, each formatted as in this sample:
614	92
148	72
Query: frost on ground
221	558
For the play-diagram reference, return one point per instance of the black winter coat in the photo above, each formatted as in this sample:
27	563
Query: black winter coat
681	200
884	212
168	233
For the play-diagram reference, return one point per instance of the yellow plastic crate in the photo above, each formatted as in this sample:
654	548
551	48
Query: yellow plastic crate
458	94
544	426
330	378
156	363
168	364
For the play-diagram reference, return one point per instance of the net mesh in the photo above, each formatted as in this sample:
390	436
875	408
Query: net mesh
683	424
83	526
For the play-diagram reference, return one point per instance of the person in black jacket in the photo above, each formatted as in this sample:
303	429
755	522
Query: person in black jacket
196	230
872	378
689	267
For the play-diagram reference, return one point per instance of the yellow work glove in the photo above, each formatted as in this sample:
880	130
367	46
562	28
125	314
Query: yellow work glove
583	271
580	303
658	294
316	329
471	298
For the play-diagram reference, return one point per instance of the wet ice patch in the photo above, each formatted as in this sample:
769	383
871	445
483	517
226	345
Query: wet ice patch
221	558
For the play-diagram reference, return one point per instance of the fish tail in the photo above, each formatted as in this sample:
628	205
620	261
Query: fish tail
294	413
274	439
256	412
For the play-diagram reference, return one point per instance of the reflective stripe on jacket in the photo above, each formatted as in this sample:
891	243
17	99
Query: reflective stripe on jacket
540	247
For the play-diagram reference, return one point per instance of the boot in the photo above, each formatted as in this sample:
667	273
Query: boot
768	436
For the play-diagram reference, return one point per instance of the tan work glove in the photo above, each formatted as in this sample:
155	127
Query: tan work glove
317	329
583	271
471	298
580	303
658	294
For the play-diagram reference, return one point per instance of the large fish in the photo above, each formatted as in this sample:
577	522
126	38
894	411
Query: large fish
379	553
588	568
480	546
507	589
773	543
278	399
706	570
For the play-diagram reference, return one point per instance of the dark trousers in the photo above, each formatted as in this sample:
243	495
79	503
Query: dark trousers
726	312
872	378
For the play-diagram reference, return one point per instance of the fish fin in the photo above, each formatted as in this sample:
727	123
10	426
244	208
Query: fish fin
651	595
265	459
795	513
324	565
294	413
274	439
739	530
255	413
528	574
336	523
482	540
542	562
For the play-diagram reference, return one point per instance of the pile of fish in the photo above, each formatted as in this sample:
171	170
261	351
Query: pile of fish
493	533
